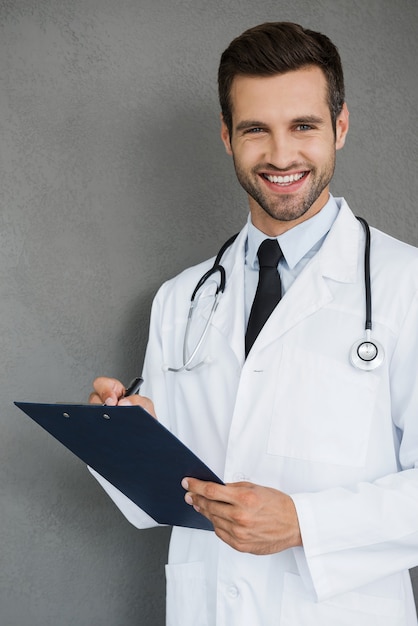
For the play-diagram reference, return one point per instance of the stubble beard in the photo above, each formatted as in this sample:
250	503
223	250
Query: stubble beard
286	208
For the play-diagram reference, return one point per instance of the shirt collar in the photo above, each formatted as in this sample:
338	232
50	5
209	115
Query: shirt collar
299	240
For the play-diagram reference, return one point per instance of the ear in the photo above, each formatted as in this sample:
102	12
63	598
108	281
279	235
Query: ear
342	125
225	136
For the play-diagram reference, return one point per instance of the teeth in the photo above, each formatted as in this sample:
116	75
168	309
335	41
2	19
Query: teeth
285	180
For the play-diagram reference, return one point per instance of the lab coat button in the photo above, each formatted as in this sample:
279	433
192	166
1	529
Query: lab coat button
233	592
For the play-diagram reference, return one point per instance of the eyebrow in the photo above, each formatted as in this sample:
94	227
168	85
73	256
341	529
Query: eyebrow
245	124
305	119
308	119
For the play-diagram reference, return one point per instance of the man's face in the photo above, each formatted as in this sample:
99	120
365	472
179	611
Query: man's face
283	145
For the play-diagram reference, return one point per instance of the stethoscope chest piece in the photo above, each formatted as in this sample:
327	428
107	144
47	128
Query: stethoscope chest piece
367	354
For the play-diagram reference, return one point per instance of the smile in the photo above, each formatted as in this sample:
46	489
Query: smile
284	180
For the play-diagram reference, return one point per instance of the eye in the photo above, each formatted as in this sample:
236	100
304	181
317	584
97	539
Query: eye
304	127
254	131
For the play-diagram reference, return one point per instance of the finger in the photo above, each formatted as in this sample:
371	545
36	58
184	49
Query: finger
141	401
212	509
94	398
200	487
210	490
208	498
109	390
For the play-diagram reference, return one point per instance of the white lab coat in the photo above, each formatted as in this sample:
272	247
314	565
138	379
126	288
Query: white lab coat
297	416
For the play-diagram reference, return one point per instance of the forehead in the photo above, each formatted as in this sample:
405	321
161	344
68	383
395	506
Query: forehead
297	93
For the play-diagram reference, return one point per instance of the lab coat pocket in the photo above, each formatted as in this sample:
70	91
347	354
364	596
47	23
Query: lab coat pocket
186	594
345	610
323	410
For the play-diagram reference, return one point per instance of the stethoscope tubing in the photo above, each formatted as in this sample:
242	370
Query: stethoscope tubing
366	354
367	280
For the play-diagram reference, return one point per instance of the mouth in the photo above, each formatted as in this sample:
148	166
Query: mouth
285	181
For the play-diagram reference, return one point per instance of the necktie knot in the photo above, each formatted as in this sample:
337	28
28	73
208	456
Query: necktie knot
269	253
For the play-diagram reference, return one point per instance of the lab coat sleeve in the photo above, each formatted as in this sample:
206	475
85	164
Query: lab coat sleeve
154	366
354	536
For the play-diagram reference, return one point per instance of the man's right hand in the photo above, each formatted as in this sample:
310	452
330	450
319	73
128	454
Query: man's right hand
110	391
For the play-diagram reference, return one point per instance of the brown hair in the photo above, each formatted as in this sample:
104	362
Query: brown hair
276	48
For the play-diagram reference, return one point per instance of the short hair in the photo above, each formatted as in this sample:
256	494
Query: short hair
275	48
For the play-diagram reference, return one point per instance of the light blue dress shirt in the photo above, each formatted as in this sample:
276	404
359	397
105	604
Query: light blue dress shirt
299	245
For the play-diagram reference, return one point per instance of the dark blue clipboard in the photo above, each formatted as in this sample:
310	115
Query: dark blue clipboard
133	451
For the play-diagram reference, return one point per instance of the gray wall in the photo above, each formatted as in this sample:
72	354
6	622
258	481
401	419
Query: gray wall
113	178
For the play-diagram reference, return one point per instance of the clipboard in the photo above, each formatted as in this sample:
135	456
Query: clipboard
133	451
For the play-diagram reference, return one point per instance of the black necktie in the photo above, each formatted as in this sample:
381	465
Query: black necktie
269	290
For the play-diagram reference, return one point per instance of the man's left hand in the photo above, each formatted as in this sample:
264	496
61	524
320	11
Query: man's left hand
248	517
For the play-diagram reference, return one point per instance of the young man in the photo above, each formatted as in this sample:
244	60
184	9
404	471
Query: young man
318	521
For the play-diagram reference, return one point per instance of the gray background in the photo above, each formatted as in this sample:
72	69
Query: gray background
113	178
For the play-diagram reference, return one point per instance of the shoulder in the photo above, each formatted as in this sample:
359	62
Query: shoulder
394	280
395	255
183	284
187	279
387	252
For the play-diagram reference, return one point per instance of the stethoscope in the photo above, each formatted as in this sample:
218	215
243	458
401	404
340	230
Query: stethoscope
365	354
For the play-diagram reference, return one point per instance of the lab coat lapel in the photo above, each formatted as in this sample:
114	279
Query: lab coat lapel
229	318
336	260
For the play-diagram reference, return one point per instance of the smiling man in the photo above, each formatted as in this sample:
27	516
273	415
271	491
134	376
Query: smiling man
316	441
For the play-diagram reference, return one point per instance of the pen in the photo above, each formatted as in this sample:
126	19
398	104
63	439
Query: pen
134	386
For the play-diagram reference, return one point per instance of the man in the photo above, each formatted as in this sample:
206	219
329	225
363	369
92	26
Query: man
318	520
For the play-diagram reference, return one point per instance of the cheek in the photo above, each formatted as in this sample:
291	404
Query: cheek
249	153
319	152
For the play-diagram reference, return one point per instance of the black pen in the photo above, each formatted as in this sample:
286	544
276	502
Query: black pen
133	387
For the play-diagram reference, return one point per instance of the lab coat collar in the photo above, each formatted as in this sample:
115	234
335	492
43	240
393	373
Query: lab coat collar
339	255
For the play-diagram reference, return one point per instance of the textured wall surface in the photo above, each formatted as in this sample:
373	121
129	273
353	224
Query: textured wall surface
113	178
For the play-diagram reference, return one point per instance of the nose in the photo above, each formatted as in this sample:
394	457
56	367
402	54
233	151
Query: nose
281	150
